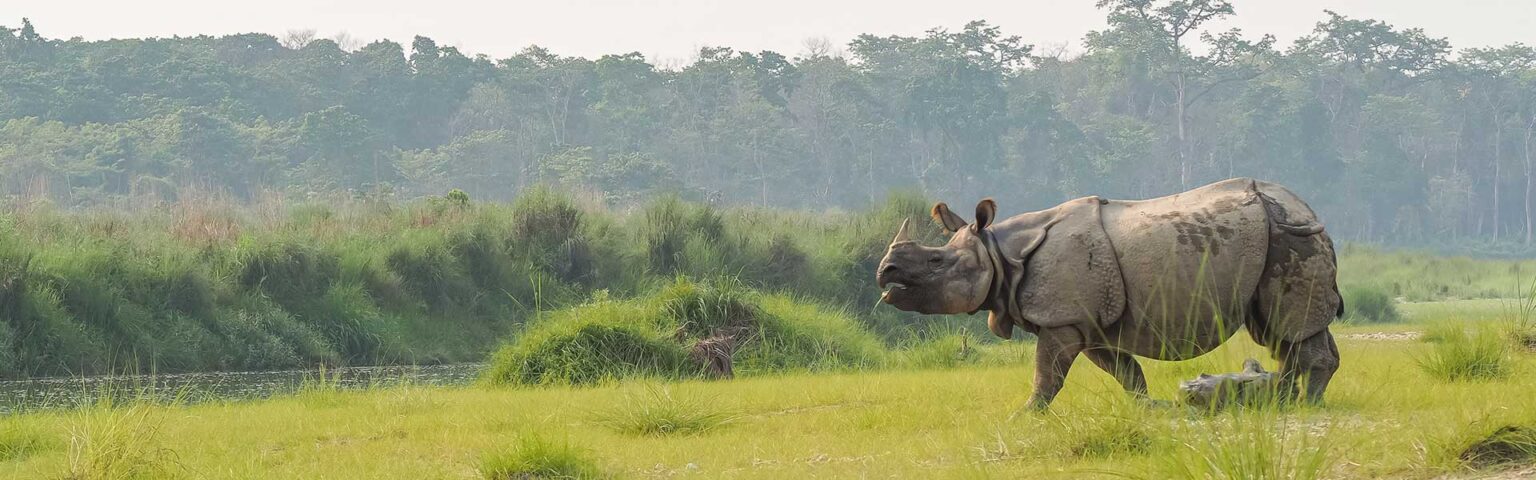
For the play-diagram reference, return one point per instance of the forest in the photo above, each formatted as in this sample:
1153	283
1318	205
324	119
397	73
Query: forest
1394	136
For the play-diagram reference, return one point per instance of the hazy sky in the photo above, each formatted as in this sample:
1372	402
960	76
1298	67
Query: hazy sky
671	30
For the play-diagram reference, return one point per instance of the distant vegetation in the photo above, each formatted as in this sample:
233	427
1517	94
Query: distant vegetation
1391	133
202	285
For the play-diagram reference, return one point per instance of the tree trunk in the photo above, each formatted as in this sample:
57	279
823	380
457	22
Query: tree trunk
1530	125
1183	140
1498	139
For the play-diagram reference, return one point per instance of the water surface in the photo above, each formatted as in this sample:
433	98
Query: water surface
63	392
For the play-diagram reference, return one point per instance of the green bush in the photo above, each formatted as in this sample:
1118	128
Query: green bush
1366	304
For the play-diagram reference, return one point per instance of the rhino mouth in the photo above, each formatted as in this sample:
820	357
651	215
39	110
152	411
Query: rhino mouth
892	287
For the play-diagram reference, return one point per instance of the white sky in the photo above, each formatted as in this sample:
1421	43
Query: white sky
669	31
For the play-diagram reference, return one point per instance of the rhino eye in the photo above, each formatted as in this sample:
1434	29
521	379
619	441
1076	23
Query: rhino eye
935	260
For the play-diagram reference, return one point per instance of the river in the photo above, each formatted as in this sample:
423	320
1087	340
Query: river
50	393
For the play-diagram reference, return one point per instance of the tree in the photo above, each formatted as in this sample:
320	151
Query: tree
1161	30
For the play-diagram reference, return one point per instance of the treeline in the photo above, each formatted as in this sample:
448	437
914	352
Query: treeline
1393	135
206	285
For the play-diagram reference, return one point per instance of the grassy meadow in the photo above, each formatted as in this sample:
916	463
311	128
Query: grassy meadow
1389	413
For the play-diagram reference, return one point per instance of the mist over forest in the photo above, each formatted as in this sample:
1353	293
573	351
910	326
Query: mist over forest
1393	135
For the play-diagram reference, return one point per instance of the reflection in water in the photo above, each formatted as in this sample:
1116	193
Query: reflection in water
51	393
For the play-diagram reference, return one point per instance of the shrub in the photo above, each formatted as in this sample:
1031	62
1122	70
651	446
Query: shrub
659	413
535	457
1365	304
1459	356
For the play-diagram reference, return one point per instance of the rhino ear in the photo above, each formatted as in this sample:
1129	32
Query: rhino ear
986	211
952	223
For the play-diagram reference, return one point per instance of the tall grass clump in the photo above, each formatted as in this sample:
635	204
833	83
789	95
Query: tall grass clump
119	442
1369	304
1520	320
658	412
1456	355
534	457
686	238
548	229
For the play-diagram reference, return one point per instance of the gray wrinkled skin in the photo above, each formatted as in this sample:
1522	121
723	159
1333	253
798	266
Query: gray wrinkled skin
1168	278
1251	386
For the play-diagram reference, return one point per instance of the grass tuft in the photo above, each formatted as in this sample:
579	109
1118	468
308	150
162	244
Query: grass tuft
107	442
536	458
659	413
1456	355
1508	445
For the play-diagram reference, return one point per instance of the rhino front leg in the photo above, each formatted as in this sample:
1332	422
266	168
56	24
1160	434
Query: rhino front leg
1124	367
1054	352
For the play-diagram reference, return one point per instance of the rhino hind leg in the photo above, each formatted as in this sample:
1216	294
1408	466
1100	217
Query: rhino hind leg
1312	360
1123	366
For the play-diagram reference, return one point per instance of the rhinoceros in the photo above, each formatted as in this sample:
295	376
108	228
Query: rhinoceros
1168	278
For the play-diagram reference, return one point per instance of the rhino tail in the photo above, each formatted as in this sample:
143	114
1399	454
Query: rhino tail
1280	217
1301	230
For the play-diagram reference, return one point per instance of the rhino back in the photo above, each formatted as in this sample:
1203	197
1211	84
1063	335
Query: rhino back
1191	263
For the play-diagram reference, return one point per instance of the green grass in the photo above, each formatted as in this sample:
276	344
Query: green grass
657	412
536	457
1459	355
1383	418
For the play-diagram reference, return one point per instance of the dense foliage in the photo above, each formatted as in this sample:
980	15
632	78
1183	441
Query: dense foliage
1394	136
211	286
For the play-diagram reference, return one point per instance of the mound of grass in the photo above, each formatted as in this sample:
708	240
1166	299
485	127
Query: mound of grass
659	413
1508	445
536	458
587	344
1456	355
650	337
1368	304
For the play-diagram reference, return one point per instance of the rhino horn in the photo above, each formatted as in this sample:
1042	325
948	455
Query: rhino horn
901	235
